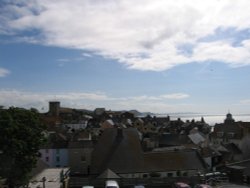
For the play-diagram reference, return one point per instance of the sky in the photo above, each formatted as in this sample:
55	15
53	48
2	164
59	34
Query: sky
163	56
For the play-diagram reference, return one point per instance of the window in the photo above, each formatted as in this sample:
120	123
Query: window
57	159
170	174
47	159
145	175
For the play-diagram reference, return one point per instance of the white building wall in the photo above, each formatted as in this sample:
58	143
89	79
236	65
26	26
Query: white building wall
55	157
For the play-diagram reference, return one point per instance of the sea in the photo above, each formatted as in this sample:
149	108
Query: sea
209	119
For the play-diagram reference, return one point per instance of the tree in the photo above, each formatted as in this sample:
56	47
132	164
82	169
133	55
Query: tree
21	136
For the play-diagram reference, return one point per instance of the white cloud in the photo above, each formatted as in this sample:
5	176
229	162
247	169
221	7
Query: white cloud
142	34
245	102
40	100
175	96
172	96
89	100
86	55
4	72
224	52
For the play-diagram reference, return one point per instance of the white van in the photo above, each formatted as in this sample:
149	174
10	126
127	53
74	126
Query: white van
111	184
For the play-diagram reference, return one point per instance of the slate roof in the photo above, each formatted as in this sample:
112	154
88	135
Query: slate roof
124	155
56	141
173	160
232	148
197	138
119	151
234	127
244	164
244	124
173	140
109	174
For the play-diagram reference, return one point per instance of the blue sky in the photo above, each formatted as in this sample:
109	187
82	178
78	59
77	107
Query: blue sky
163	56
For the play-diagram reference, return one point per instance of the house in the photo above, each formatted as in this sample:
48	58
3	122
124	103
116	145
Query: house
118	150
161	121
139	124
150	141
174	126
75	126
55	151
124	156
150	128
229	153
230	131
173	163
227	132
79	156
168	140
127	115
59	117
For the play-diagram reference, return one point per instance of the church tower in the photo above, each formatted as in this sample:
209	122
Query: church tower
229	119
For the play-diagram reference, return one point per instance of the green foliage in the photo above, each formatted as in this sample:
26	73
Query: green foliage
21	135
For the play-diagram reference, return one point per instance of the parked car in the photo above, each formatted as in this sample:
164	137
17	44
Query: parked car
87	186
181	185
111	184
139	186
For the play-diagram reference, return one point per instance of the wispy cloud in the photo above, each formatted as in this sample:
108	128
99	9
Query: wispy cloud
142	34
64	61
245	102
88	100
171	96
86	55
4	72
38	100
175	96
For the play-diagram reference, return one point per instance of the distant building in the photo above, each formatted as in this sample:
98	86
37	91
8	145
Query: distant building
227	132
99	111
54	108
55	151
80	156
